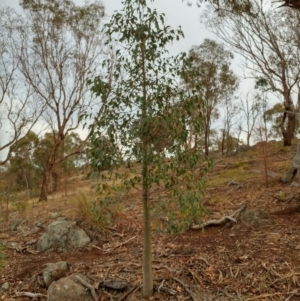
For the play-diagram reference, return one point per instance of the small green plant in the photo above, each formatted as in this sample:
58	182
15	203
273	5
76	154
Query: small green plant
148	114
98	211
6	199
2	255
19	205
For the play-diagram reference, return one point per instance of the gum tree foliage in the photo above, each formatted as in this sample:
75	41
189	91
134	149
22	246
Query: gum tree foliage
231	111
61	44
232	6
21	161
210	75
147	88
251	107
18	109
104	154
269	44
64	163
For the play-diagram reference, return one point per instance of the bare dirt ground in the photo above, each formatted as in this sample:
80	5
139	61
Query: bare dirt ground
226	262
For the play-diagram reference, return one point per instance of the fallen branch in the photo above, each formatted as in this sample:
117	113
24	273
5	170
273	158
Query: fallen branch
89	286
19	247
130	292
222	220
271	295
237	184
30	295
191	293
124	243
114	247
161	288
285	277
295	196
113	284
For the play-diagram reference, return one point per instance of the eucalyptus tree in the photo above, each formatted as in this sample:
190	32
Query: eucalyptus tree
21	163
231	111
236	6
211	76
269	44
65	160
18	109
251	106
61	44
147	90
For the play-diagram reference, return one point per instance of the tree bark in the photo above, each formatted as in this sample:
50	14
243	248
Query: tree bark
288	131
206	140
48	168
147	254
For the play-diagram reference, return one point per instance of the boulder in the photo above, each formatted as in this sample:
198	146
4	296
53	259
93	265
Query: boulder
62	236
5	286
294	167
55	271
70	289
255	218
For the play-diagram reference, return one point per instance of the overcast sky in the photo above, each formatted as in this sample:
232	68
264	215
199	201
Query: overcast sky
177	14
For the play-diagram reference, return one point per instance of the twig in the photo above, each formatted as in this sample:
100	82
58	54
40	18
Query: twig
161	285
130	292
164	289
237	184
275	197
237	297
295	196
97	248
30	295
89	286
232	181
270	270
284	277
109	295
186	288
124	243
203	259
114	247
270	295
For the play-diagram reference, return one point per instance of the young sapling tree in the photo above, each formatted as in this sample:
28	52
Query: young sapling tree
146	94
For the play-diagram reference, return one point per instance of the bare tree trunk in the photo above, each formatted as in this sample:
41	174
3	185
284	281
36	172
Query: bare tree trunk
147	253
223	142
206	140
45	183
288	131
248	139
48	168
196	141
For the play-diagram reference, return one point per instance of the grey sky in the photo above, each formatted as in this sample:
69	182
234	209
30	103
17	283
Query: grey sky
177	14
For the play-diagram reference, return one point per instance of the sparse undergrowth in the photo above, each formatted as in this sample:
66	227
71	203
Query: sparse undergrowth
242	263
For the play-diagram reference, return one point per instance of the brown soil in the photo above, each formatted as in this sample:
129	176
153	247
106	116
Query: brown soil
226	262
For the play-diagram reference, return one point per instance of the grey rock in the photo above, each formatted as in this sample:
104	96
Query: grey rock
294	167
5	286
55	271
15	224
255	218
70	289
294	184
30	242
62	236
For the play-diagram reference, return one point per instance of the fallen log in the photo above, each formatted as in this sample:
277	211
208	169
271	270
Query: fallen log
222	220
